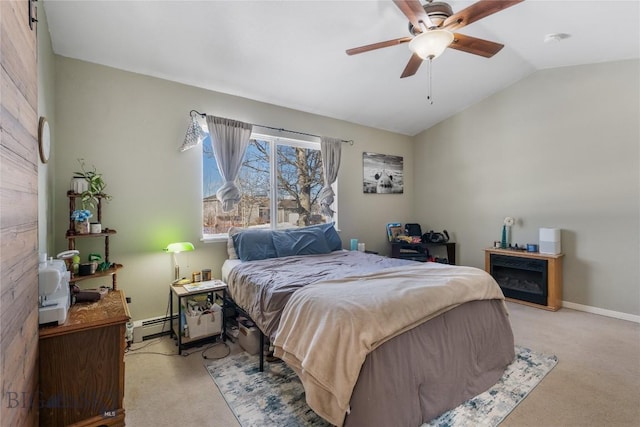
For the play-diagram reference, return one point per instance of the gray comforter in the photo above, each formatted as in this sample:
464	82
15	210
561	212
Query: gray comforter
262	288
409	379
353	316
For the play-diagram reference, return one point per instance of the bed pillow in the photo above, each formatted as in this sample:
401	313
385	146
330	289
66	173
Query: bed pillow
231	249
331	235
300	241
252	245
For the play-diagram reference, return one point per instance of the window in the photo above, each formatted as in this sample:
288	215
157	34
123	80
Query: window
280	182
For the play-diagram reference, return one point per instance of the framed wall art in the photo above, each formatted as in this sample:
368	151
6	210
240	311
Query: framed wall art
382	174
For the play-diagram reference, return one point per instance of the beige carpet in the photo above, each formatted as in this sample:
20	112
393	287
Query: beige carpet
596	381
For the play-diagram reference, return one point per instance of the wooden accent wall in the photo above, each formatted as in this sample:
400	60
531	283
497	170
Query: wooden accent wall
18	216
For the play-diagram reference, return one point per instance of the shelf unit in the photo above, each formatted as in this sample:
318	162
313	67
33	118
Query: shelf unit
71	236
397	247
179	293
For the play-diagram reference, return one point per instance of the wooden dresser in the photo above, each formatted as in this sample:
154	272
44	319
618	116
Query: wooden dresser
82	365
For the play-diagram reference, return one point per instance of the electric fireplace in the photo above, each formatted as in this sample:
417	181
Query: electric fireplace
527	277
521	278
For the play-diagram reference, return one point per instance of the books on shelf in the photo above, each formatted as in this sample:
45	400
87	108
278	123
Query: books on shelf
394	229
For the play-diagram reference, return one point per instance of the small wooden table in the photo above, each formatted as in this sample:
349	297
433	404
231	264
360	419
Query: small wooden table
180	292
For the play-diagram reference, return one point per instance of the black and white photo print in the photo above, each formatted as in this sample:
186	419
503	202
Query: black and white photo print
382	173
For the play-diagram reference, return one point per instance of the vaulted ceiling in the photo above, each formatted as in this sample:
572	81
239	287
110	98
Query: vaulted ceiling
292	53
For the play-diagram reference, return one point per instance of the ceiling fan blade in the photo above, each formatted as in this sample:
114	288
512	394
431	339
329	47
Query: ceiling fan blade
414	11
474	45
412	66
378	45
476	12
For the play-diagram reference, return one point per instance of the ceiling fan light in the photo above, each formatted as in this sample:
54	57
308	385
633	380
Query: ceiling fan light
431	44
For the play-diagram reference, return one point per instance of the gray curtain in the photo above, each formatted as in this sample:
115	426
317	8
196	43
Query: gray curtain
229	140
331	150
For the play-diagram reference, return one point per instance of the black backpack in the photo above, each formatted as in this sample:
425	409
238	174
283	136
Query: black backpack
412	230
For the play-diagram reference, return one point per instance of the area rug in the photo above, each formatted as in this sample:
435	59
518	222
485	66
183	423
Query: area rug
276	397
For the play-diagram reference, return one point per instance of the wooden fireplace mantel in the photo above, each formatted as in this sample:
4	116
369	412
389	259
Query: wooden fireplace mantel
554	275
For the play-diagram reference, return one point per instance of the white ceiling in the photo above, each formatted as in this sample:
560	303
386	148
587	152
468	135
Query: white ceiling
292	53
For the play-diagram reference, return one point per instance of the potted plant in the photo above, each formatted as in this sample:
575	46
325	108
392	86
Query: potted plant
94	187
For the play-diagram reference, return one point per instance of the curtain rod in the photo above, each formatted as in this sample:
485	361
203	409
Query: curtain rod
204	115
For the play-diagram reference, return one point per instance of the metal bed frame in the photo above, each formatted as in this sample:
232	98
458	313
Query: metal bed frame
229	302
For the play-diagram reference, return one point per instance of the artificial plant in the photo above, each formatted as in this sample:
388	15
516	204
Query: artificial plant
96	184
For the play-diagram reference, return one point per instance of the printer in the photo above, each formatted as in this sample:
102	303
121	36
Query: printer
53	296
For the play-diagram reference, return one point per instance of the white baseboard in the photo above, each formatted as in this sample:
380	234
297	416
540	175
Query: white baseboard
602	311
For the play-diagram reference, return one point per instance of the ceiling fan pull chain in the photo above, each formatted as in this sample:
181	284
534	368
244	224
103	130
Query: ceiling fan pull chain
429	72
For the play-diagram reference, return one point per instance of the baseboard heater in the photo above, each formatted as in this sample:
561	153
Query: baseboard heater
151	328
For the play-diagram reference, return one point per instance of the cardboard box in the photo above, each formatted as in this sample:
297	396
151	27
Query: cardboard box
249	338
205	324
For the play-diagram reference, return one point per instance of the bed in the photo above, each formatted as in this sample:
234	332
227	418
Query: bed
375	341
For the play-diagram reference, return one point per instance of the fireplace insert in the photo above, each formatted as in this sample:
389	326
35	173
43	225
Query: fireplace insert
521	278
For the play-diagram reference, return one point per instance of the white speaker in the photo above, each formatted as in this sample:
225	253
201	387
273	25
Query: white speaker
550	241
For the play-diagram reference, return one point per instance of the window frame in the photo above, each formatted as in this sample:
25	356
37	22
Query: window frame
274	141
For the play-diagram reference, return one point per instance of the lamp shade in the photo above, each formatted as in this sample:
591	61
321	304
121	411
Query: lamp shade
179	247
431	43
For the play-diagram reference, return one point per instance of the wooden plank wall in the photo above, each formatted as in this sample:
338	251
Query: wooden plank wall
18	216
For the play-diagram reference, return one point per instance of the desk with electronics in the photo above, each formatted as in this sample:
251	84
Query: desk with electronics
408	242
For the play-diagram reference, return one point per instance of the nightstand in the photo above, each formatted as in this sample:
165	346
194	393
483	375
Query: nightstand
213	290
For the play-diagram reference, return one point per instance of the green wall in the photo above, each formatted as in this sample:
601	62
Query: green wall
130	127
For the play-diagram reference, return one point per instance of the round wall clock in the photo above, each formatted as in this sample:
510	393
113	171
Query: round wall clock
44	140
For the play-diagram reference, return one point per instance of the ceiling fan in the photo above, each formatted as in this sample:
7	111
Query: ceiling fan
432	25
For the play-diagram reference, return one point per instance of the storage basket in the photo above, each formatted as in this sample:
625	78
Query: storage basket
249	338
203	324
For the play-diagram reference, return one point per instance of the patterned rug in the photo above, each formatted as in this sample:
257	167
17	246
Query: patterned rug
276	397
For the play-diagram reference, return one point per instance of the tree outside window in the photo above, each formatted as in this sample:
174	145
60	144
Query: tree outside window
278	175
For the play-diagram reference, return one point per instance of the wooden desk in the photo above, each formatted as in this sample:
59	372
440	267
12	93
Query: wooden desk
451	249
